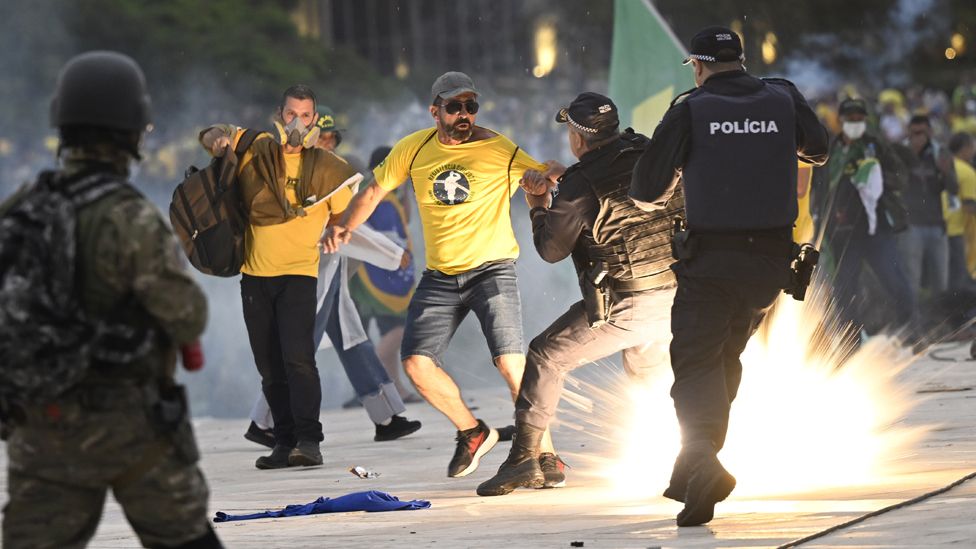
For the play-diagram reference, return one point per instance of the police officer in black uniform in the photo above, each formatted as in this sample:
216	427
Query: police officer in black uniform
733	143
622	257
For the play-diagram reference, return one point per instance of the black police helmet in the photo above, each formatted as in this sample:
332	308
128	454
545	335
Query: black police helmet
102	89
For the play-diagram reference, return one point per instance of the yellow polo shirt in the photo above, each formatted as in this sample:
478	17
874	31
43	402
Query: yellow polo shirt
956	220
463	194
290	248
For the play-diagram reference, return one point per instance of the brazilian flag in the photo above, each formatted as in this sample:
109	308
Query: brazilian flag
645	68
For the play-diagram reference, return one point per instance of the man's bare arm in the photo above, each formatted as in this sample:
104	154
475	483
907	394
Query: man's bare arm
359	210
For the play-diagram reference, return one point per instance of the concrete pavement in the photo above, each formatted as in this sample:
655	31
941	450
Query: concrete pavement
414	468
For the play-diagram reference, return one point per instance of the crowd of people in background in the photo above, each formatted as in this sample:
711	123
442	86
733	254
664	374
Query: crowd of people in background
898	196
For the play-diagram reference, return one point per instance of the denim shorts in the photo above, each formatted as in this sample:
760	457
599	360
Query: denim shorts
442	301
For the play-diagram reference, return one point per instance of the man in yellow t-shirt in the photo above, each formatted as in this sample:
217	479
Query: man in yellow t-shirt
290	190
463	176
960	218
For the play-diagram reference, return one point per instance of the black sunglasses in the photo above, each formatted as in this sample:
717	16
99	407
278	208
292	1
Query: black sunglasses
454	107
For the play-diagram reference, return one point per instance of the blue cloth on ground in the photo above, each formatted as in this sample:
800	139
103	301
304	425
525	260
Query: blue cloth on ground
372	501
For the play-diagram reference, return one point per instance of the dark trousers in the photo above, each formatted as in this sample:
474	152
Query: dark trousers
570	343
880	253
959	278
712	319
279	313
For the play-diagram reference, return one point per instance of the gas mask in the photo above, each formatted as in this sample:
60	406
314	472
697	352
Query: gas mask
295	134
854	130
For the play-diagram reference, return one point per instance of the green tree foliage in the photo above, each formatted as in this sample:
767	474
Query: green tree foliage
202	58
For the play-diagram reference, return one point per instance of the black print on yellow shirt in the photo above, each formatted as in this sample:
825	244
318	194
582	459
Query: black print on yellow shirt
291	190
451	187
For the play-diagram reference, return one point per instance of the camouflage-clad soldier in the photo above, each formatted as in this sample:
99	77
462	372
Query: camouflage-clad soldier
125	426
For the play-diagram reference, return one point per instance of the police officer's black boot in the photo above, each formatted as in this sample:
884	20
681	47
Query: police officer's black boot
679	480
707	483
521	468
690	454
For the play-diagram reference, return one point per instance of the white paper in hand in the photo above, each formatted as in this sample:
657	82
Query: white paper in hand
373	247
353	182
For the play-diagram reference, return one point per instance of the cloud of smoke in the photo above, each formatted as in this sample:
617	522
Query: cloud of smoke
872	58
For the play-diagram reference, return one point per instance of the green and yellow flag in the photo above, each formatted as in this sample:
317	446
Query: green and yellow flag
645	68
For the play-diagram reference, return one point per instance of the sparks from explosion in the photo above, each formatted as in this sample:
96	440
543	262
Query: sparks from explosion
805	419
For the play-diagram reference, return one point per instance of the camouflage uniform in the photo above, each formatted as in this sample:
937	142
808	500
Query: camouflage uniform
101	434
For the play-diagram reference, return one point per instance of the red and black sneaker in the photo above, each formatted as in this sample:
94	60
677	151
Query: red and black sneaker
553	467
471	445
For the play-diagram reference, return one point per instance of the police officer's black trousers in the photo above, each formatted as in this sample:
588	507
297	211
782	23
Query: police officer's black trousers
570	342
279	313
712	319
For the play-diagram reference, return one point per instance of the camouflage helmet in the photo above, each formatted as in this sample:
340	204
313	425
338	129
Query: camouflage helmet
102	89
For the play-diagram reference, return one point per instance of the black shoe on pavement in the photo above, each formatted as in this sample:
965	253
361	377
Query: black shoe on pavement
524	474
277	460
684	465
553	469
257	435
708	485
471	445
678	486
305	454
521	468
506	433
672	493
399	427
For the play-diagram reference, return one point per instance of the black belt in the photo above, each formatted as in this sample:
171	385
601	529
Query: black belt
640	284
762	245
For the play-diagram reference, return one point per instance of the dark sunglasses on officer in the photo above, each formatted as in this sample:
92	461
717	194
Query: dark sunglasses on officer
454	107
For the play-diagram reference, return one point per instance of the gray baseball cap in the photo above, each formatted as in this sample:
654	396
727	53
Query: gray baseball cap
451	84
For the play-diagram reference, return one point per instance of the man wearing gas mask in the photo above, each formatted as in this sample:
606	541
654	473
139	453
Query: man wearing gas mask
856	200
290	190
338	319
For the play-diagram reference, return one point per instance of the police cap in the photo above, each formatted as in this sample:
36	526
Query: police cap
590	113
715	44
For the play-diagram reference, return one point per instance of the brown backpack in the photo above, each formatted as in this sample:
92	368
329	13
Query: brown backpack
208	215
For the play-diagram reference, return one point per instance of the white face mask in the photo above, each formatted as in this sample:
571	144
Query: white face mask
854	130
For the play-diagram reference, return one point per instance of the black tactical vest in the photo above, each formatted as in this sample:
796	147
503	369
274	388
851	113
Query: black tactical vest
741	172
631	242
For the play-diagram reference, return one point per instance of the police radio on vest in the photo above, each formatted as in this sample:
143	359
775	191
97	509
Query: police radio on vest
745	126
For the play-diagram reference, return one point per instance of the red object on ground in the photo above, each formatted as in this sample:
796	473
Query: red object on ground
192	354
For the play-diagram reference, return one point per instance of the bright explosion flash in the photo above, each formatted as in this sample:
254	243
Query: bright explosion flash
804	419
